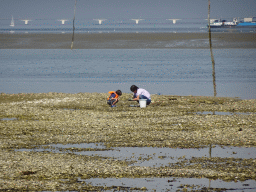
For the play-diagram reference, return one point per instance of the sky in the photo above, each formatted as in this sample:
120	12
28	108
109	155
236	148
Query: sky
126	9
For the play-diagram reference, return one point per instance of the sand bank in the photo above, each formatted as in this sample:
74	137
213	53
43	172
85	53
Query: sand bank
127	41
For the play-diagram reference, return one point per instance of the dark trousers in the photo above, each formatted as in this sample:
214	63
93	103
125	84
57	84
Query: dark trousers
143	97
111	101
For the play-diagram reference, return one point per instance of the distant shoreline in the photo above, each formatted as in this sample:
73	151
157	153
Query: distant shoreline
127	41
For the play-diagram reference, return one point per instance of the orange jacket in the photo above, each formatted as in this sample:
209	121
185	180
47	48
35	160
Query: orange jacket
110	92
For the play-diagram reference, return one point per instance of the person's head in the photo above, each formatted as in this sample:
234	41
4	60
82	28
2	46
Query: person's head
134	88
119	92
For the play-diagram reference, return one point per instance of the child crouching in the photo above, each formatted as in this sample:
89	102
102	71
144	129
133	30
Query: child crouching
114	97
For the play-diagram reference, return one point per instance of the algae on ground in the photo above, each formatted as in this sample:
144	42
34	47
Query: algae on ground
169	121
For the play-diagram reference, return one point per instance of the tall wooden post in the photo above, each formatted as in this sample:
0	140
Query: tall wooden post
212	58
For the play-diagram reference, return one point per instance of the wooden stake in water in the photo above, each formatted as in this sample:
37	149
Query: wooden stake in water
210	42
73	36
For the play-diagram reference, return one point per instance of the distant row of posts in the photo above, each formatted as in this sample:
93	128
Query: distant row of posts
100	21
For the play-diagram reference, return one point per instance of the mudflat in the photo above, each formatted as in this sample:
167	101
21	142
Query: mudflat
127	40
35	121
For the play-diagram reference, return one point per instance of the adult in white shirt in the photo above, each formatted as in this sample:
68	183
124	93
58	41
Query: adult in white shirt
140	93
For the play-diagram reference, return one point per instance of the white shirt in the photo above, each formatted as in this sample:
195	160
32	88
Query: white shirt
144	92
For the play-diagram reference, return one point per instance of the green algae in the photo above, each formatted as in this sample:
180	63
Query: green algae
169	121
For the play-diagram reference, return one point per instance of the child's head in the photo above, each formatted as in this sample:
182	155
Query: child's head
119	92
134	88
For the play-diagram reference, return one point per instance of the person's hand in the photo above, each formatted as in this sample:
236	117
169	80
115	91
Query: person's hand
130	100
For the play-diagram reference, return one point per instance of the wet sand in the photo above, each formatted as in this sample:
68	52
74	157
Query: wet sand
127	41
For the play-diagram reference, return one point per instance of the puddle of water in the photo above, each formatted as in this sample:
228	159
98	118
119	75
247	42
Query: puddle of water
80	146
222	113
174	184
70	109
58	148
13	119
150	156
8	119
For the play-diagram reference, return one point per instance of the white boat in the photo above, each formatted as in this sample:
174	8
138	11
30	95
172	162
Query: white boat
12	22
223	23
216	24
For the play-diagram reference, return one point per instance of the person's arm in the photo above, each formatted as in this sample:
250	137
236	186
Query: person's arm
115	101
137	98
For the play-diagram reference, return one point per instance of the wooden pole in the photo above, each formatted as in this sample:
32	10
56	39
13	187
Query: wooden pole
212	58
73	36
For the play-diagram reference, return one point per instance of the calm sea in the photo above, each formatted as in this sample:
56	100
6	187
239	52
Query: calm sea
160	71
169	71
150	25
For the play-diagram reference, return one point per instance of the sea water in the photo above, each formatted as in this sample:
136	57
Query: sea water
121	25
160	71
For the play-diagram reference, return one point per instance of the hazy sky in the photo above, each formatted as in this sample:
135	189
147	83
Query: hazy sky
125	9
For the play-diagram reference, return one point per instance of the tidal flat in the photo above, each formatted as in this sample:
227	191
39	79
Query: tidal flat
221	40
30	121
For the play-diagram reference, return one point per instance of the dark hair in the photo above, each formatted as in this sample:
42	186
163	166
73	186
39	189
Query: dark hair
119	92
134	88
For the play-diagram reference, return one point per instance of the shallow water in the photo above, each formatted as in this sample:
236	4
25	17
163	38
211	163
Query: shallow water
171	184
151	156
221	113
8	119
169	72
156	157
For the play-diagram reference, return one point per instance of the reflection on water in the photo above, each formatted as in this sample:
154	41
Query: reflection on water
173	184
158	157
150	156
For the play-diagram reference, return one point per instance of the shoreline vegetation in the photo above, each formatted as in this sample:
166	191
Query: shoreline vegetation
127	41
33	120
